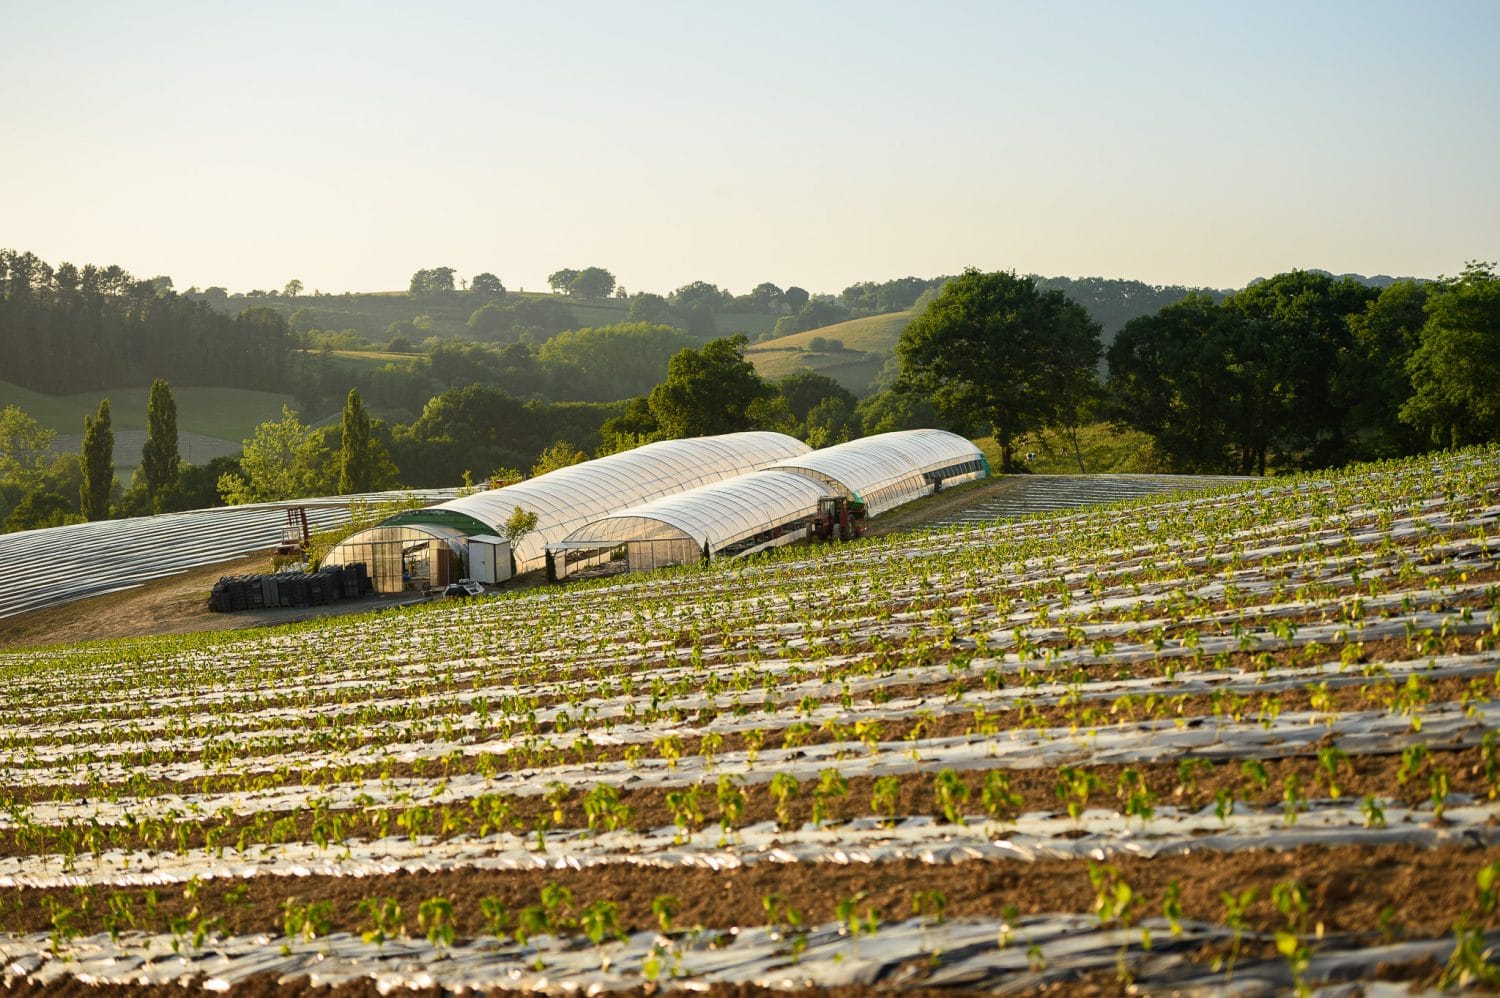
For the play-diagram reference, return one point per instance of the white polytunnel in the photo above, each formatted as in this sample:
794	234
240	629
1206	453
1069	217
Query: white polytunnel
563	501
889	469
745	514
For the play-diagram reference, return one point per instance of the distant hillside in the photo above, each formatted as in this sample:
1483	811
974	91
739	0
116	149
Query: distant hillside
851	352
210	421
372	314
1378	281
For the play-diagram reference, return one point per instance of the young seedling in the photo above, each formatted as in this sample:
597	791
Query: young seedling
1000	801
1236	908
831	786
435	917
492	909
731	805
687	811
385	920
885	795
782	788
950	793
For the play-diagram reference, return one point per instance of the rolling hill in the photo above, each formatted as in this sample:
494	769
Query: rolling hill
371	314
866	344
210	421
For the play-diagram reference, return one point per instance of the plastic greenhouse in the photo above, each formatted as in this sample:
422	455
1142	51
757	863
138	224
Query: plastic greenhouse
563	500
889	469
740	516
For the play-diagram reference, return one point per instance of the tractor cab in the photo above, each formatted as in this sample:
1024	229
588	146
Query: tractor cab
839	516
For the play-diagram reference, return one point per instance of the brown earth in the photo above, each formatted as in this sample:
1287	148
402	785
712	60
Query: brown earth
1410	891
174	605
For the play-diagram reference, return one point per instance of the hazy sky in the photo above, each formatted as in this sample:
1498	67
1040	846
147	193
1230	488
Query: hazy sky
817	144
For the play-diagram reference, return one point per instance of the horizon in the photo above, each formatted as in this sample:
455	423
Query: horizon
349	146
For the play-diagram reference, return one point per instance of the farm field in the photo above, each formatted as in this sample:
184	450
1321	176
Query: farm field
210	421
1243	739
868	343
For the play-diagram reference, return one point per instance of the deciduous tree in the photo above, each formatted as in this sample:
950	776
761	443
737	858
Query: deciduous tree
1455	371
993	351
709	390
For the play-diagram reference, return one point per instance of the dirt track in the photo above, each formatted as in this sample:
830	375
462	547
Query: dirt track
175	605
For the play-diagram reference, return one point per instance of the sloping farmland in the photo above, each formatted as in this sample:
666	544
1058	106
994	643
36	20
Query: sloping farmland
1236	740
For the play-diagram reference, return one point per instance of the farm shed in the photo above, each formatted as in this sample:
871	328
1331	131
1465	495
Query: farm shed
740	516
889	469
563	501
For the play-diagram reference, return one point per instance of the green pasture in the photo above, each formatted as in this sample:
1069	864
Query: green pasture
226	413
867	342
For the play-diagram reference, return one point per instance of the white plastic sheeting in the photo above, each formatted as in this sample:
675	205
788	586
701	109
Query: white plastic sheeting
568	498
57	565
889	469
710	517
1024	955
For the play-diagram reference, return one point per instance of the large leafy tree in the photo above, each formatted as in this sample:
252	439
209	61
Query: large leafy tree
1455	370
280	461
1169	375
437	280
1295	330
994	352
1372	382
592	282
487	285
98	464
710	390
159	457
25	446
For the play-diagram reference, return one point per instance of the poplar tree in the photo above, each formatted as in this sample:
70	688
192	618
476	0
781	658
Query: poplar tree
98	464
356	460
159	458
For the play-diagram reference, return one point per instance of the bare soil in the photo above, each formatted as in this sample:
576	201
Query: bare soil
174	605
1349	887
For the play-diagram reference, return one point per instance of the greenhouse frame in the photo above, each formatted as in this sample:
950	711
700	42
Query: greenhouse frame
889	469
563	501
743	515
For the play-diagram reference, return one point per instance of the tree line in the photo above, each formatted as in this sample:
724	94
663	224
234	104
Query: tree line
69	328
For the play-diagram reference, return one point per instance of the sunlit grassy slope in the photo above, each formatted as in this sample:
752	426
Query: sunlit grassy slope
1104	449
210	421
867	343
228	413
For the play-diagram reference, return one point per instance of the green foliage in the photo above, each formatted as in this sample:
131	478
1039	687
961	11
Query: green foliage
804	388
281	461
487	285
611	362
437	280
516	526
95	327
364	463
98	464
709	391
590	282
159	457
1455	369
993	349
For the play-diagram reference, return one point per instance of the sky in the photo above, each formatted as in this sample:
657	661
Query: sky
818	144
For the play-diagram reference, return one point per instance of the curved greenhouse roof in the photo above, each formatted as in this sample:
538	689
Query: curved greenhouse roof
567	498
711	517
889	469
